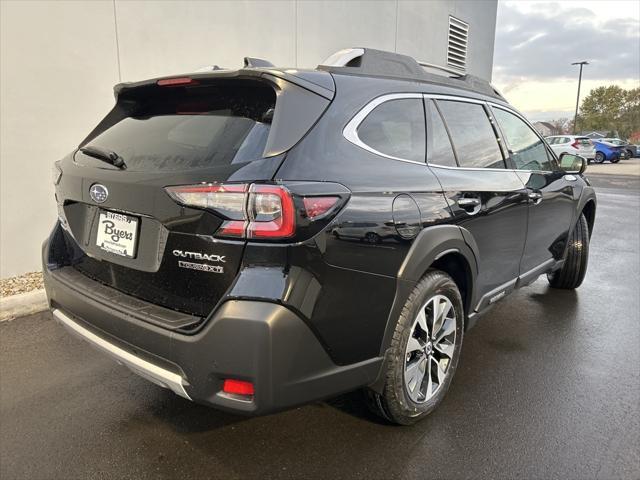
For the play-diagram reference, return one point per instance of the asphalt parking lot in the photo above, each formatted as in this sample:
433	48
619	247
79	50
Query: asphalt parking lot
548	387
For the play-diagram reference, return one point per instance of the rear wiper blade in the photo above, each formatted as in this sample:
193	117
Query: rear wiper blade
105	155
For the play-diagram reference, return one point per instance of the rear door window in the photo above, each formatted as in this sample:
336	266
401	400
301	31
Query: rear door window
396	128
472	135
527	150
186	129
439	151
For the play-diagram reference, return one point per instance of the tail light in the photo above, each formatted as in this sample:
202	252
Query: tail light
271	212
317	207
254	211
575	144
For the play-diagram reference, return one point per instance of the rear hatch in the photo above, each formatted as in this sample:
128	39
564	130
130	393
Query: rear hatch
125	228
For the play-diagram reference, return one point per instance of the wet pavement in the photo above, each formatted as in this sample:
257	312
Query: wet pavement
548	387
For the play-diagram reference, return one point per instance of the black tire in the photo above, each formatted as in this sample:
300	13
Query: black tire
600	158
372	237
615	160
395	404
572	273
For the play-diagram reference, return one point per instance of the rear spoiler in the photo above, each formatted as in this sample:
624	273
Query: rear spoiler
318	82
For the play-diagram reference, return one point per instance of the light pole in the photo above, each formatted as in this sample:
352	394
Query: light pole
575	117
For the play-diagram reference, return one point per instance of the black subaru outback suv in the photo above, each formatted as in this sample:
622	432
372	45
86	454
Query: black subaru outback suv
259	238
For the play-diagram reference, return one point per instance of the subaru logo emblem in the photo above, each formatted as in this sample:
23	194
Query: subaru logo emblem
98	193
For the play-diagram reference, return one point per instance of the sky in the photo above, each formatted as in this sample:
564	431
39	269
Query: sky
536	42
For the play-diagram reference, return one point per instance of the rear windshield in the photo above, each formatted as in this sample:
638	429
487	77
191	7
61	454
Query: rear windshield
193	127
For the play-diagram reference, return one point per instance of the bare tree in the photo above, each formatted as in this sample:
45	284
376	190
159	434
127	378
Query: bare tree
561	125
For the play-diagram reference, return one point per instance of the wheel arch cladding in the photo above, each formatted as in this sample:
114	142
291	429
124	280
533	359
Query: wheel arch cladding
442	247
457	267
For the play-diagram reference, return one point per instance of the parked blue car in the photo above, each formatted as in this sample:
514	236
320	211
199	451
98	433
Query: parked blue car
606	150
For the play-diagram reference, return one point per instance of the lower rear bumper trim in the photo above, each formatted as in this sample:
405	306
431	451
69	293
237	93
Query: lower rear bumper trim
148	370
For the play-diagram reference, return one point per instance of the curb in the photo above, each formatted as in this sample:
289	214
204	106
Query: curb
23	304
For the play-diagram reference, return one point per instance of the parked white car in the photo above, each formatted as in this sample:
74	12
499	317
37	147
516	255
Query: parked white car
573	144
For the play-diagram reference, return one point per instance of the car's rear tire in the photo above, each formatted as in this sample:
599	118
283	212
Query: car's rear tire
600	158
572	273
420	363
615	160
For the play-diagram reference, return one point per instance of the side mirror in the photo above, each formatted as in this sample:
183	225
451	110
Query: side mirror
573	163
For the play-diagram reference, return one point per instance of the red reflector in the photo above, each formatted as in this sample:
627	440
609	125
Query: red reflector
172	82
237	387
316	206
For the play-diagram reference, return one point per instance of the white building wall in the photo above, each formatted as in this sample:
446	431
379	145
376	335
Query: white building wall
59	61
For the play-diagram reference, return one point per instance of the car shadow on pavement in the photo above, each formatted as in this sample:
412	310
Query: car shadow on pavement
189	417
557	303
354	404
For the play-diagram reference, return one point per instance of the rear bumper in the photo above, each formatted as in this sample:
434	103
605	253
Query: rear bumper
158	375
256	341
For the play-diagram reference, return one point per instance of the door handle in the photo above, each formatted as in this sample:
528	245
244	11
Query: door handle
535	197
470	204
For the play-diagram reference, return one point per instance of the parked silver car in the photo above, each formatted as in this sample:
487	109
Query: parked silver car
573	144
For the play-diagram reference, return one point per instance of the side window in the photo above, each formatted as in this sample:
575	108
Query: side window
527	150
396	128
439	151
472	135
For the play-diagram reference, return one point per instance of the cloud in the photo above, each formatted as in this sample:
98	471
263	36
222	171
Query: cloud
541	42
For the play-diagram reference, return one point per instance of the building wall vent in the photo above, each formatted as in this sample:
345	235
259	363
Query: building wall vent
457	44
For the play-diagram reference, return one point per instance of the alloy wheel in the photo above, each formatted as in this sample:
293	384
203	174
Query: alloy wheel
430	348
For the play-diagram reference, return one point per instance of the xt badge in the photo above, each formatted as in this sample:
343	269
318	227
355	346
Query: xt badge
203	267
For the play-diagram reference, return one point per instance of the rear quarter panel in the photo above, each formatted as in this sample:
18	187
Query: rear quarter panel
355	261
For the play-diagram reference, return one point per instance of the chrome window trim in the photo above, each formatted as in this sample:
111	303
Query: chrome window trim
439	96
350	131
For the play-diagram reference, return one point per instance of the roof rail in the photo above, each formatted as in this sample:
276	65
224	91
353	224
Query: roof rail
440	67
342	57
367	61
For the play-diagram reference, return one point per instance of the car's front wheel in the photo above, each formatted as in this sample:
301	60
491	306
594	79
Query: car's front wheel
424	351
600	157
573	270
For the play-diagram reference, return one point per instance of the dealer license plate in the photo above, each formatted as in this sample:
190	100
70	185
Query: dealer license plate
117	233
